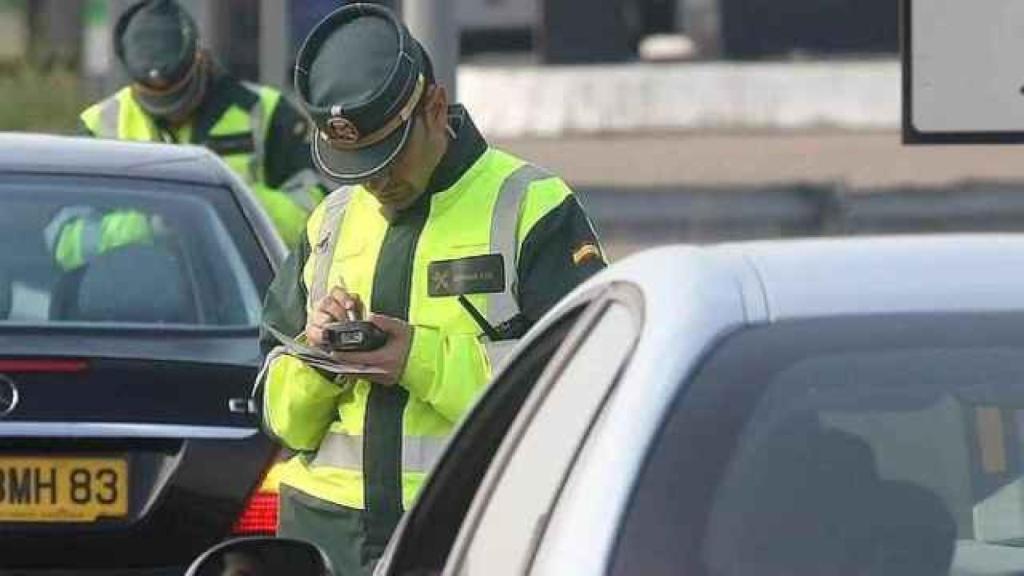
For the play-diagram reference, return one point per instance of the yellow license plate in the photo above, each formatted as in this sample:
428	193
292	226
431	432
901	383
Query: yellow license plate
62	489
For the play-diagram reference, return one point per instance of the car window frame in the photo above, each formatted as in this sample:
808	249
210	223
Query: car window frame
256	219
619	292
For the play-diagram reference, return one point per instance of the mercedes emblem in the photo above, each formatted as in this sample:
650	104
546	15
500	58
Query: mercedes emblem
8	396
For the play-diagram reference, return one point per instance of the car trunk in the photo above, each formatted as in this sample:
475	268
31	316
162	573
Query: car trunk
124	449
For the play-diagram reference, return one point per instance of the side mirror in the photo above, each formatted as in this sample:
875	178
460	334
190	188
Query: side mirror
262	557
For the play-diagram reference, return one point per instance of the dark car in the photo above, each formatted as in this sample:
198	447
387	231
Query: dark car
127	439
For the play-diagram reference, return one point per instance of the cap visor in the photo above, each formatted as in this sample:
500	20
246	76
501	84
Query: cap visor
171	103
357	166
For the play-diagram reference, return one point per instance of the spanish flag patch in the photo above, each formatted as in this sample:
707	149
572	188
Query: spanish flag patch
585	253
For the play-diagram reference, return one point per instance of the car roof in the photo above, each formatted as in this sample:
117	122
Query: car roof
889	274
808	278
50	154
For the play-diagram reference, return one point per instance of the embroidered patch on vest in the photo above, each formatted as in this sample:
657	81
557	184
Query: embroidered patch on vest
474	275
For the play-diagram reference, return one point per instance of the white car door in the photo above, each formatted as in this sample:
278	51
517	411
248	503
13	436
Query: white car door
523	483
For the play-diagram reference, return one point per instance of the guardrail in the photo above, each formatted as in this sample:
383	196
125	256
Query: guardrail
513	101
629	219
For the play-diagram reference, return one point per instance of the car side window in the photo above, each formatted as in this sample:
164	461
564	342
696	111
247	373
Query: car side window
430	528
524	483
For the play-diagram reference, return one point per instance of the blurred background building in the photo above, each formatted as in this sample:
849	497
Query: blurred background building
678	120
541	44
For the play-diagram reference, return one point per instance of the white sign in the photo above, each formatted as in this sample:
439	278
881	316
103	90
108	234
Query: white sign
964	70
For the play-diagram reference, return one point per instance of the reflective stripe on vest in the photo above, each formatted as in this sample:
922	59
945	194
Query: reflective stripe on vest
92	235
328	241
419	453
503	306
110	116
302	189
258	141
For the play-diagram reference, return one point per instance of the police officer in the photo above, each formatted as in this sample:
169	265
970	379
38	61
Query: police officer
179	94
428	211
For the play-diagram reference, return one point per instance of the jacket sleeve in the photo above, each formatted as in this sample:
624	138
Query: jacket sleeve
446	371
299	403
558	253
288	146
72	247
284	306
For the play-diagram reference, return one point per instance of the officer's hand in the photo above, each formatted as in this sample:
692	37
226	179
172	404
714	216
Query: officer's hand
391	357
332	308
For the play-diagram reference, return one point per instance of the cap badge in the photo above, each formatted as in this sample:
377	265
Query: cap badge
342	130
156	79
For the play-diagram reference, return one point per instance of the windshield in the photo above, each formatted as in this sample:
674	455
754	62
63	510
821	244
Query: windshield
122	252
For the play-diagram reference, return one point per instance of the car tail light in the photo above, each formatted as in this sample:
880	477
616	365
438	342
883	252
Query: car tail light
259	516
260	513
29	365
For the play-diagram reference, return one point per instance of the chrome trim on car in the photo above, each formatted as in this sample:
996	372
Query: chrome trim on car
121	430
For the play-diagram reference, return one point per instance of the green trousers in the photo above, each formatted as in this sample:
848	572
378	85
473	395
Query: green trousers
338	530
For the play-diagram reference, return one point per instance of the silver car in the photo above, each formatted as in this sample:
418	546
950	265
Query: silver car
824	407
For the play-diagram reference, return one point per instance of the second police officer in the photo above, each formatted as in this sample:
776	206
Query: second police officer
179	94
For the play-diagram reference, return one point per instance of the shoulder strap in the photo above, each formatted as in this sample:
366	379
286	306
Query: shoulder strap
330	230
503	306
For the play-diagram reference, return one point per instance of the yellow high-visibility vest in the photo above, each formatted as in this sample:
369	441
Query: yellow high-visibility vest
489	210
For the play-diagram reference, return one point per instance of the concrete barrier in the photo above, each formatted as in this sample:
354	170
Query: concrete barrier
510	101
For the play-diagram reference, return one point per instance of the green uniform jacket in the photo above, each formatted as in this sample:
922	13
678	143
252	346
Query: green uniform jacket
383	439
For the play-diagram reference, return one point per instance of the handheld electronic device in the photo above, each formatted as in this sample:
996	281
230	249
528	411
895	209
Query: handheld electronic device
354	335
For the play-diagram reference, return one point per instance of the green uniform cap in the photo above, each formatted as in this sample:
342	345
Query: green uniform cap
156	42
359	75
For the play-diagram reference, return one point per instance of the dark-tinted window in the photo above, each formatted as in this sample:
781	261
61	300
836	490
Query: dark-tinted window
114	252
842	447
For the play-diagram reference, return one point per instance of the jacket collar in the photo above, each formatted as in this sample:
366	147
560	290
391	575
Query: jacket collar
465	146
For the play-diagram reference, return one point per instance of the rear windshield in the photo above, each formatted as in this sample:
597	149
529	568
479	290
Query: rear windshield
842	447
903	457
123	252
